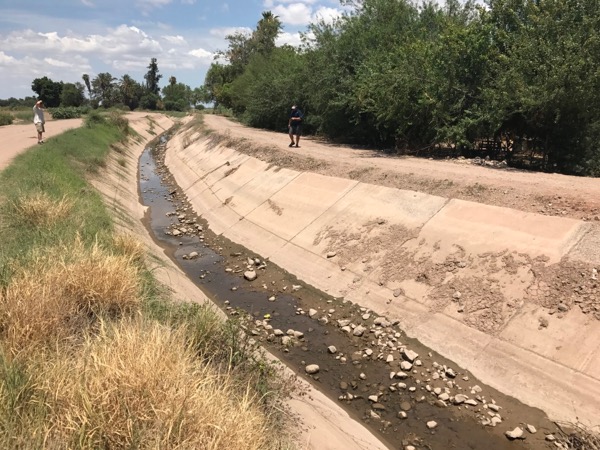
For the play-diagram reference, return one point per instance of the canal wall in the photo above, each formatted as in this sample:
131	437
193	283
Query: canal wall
477	283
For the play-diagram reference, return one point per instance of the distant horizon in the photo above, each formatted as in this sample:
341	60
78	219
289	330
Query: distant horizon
65	39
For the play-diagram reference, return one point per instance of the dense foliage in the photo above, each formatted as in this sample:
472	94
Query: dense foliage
417	76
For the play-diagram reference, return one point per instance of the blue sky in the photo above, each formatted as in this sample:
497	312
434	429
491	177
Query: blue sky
63	39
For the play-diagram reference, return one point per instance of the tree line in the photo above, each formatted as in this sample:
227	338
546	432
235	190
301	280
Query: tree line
106	91
408	76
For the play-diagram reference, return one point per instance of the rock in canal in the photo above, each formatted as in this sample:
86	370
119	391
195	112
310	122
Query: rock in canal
312	369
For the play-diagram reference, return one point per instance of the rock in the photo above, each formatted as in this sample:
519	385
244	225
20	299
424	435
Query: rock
405	406
312	312
401	375
450	373
359	330
378	407
389	359
331	254
368	352
431	424
460	399
250	275
362	376
286	340
331	349
493	407
495	421
398	292
457	295
343	385
517	433
476	389
278	332
176	232
562	307
312	369
402	415
550	438
444	397
405	365
272	298
373	398
471	402
298	334
343	322
410	447
531	429
409	355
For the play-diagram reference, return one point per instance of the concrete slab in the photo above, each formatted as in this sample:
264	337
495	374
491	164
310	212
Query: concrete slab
256	238
299	203
260	189
366	212
220	217
228	186
323	274
572	341
483	228
563	393
588	247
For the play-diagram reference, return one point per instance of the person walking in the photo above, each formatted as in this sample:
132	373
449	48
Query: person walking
38	120
295	125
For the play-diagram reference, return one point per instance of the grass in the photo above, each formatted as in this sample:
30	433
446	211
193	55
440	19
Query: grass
93	352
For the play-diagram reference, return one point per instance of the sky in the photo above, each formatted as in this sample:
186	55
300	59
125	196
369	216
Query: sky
63	39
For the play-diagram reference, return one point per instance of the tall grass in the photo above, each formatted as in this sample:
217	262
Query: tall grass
93	353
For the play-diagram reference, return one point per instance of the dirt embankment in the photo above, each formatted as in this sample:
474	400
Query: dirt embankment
550	194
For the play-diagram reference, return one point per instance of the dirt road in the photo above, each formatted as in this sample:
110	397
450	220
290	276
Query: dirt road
16	138
551	194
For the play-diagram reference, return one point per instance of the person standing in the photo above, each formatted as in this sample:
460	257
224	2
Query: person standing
39	121
295	125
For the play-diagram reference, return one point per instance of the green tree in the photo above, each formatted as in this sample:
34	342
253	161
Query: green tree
72	94
86	79
104	89
177	96
130	92
152	77
47	90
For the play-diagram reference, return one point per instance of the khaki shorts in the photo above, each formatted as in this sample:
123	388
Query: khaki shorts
40	127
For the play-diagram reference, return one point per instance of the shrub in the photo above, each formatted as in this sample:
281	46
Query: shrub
6	118
69	112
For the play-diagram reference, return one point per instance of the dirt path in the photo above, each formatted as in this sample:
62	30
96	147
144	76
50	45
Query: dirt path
550	194
16	138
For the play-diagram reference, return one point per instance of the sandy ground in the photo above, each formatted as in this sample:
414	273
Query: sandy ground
546	193
16	138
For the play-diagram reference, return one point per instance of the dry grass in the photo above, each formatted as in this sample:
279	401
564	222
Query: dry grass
136	384
39	210
63	291
129	246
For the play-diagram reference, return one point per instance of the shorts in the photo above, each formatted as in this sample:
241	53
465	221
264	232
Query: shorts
296	129
40	127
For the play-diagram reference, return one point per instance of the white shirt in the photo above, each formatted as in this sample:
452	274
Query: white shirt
38	115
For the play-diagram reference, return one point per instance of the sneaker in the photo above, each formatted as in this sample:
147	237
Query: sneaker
291	145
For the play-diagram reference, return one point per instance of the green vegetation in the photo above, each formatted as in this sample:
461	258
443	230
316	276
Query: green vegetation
6	118
414	77
93	353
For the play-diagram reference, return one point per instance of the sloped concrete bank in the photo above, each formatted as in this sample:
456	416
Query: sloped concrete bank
321	423
490	288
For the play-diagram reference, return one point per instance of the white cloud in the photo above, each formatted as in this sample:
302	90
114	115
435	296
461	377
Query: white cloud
175	40
226	31
294	13
292	39
57	63
6	60
88	3
201	54
327	15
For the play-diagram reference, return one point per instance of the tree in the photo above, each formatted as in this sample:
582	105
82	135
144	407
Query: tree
152	77
72	94
267	30
177	97
130	92
47	90
104	89
86	80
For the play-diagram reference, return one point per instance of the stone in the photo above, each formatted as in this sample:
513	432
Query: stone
359	330
409	355
331	349
517	433
401	375
450	373
193	255
331	254
343	385
405	365
431	424
373	398
286	340
531	429
493	407
459	399
402	415
312	312
405	406
312	369
550	438
389	359
278	332
378	407
250	275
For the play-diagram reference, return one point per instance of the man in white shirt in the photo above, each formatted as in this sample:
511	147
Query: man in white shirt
38	120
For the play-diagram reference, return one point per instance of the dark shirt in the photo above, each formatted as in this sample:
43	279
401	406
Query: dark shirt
296	113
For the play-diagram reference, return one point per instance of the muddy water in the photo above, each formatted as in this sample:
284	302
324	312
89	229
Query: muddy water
218	271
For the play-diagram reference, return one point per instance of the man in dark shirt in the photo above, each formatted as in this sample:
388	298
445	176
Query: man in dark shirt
295	125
